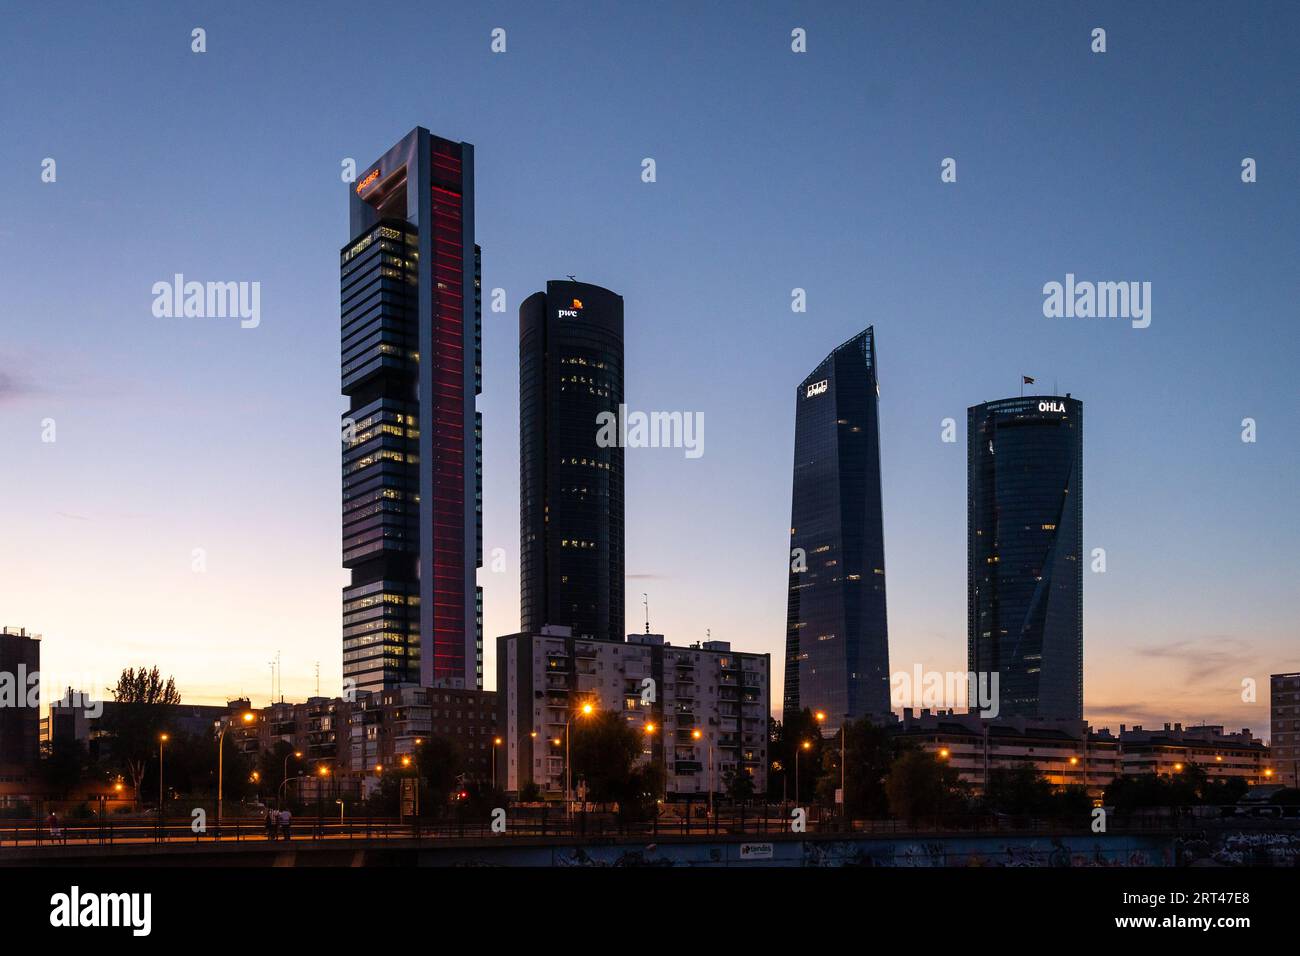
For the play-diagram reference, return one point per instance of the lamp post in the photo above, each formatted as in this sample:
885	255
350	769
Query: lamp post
698	734
496	742
162	739
322	771
585	710
284	773
248	718
844	730
803	745
649	730
279	794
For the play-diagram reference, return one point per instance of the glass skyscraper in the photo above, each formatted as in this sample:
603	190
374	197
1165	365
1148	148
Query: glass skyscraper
837	643
570	488
1024	565
412	437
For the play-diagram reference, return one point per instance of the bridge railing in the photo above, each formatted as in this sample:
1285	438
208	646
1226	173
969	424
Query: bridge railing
594	825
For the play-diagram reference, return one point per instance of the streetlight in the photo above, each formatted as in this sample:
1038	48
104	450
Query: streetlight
649	730
585	710
285	778
804	745
322	771
162	739
284	773
713	782
496	742
248	718
844	730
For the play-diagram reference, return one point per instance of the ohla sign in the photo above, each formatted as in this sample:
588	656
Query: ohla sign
1051	406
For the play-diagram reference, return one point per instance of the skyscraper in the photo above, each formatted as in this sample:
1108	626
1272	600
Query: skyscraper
1024	552
837	641
412	472
570	488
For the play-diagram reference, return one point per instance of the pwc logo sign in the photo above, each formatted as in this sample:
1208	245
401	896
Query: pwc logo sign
570	313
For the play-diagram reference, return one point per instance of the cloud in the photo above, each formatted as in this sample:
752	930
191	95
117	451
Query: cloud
11	388
646	577
1209	659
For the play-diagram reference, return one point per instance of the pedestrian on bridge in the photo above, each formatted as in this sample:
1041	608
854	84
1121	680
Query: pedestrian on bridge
286	818
271	820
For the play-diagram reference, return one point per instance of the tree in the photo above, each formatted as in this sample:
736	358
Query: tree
919	785
1190	786
870	752
740	785
1020	791
785	745
603	748
274	766
142	700
530	792
383	800
440	767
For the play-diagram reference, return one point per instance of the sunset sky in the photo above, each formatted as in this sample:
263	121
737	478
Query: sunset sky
775	171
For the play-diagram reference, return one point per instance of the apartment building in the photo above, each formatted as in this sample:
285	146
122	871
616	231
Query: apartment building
701	710
1284	728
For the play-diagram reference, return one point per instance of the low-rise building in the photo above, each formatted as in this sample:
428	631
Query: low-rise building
1065	751
1220	754
387	727
1069	752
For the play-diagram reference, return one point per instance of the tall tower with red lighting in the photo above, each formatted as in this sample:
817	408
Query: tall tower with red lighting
412	436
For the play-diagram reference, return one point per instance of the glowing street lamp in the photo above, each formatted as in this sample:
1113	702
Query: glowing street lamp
586	709
247	717
697	734
804	745
162	739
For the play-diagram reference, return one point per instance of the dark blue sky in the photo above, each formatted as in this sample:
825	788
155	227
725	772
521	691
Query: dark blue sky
775	171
